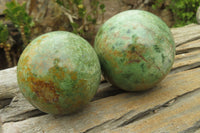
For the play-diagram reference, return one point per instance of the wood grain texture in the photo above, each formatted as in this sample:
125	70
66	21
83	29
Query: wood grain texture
190	46
172	106
186	61
182	116
186	34
8	83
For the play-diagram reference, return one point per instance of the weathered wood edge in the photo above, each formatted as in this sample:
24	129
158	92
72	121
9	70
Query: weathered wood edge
182	116
8	83
186	34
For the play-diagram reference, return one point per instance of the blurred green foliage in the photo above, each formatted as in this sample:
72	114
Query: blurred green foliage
16	13
184	11
20	18
3	33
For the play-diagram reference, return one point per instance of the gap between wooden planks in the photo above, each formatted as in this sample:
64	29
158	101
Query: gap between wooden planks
123	112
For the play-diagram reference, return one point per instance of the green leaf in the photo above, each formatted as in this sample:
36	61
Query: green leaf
102	6
89	18
60	2
3	33
75	27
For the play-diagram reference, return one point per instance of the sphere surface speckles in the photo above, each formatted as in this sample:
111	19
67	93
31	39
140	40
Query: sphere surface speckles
58	72
136	50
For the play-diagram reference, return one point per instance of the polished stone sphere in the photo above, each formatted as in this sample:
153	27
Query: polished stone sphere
58	72
136	50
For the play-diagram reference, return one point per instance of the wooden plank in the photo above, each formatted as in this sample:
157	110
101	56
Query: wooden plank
8	83
114	111
186	61
18	109
8	86
187	56
197	131
186	34
182	116
187	47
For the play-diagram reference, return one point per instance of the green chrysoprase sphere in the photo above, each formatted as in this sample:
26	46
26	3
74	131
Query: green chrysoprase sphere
136	50
58	72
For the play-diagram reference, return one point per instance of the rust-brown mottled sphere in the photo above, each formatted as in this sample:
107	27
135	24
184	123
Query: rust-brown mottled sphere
136	50
58	72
